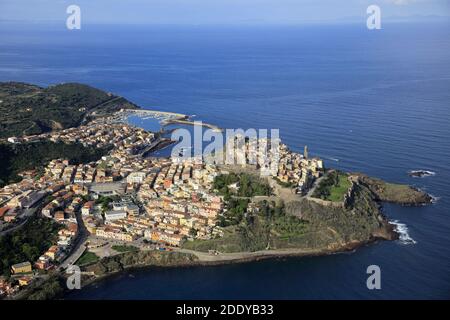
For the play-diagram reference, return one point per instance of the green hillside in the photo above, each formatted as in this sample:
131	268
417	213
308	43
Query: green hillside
15	158
27	109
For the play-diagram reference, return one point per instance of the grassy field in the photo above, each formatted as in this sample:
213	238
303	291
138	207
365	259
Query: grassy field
87	258
338	191
230	242
333	187
124	248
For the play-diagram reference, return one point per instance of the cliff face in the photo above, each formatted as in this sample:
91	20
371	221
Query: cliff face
310	224
317	224
361	220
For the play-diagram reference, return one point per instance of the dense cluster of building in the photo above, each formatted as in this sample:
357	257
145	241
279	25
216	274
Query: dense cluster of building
23	273
102	132
297	169
177	203
124	196
180	201
275	159
176	198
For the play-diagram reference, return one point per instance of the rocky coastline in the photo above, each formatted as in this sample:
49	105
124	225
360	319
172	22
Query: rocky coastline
379	190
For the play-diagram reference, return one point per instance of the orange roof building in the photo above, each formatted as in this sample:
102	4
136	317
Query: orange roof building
3	211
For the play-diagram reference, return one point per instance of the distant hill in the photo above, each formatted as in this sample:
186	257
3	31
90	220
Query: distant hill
27	109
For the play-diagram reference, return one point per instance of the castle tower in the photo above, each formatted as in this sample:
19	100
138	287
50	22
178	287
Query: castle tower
305	152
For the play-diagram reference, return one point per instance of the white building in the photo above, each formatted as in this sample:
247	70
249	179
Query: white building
136	177
13	140
115	215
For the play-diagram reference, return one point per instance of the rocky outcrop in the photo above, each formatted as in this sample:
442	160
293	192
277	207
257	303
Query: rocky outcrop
360	221
395	193
127	260
322	226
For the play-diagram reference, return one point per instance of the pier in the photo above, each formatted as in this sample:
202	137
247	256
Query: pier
192	123
158	114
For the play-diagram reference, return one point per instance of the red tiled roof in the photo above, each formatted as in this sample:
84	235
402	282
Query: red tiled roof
3	210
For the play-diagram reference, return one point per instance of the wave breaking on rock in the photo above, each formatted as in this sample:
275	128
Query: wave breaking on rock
402	230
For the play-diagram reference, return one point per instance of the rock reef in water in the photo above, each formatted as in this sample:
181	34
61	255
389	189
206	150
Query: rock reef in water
421	173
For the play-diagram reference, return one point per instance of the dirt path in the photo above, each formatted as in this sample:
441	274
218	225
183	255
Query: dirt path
223	257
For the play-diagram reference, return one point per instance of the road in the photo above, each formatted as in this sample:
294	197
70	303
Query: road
316	183
5	201
207	257
74	256
84	120
25	215
79	246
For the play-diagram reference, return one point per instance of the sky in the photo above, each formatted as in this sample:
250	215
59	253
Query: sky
223	12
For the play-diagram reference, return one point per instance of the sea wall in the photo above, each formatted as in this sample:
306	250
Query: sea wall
326	203
349	197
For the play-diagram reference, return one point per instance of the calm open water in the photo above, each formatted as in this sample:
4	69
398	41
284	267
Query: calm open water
370	101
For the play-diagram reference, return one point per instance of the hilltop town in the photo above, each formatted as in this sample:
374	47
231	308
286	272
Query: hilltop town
124	197
128	201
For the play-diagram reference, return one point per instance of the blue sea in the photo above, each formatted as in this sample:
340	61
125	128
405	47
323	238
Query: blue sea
376	102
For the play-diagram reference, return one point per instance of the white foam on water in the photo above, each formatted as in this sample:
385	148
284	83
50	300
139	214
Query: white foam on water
402	229
434	199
